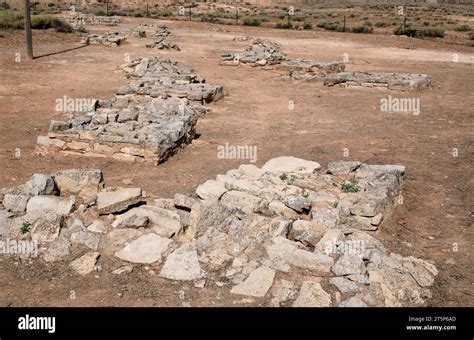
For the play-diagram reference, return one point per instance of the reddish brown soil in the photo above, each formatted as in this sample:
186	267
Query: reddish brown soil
437	212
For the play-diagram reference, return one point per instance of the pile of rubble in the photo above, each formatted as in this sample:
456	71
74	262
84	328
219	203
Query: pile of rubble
260	53
265	53
149	120
392	81
109	39
79	20
161	41
288	232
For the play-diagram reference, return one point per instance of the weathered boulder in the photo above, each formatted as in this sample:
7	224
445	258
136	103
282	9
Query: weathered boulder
182	264
312	295
116	201
53	204
257	284
84	183
86	263
148	248
40	184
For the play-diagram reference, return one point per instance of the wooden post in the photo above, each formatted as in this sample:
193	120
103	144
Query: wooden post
29	38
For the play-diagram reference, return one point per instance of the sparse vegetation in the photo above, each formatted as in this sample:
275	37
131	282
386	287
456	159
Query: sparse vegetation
13	19
463	28
349	186
329	25
25	227
252	21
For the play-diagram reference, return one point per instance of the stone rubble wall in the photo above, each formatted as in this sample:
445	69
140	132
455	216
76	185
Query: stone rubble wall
268	54
289	232
161	40
391	81
110	39
148	120
79	20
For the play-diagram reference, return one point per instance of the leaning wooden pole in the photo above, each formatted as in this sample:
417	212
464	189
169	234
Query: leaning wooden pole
29	38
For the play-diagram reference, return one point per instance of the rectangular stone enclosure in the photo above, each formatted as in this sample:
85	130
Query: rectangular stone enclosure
148	120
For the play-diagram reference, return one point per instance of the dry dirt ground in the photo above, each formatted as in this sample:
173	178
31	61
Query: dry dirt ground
434	223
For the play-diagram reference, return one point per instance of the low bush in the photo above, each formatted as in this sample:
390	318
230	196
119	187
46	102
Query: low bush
463	28
252	21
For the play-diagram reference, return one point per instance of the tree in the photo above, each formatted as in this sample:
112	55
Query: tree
29	38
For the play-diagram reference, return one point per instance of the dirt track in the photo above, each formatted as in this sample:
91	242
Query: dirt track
436	216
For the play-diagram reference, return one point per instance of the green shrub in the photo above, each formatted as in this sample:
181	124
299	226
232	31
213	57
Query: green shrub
381	24
434	32
251	21
471	35
166	13
349	186
362	29
307	26
11	19
284	25
463	28
209	18
43	21
329	25
368	23
100	13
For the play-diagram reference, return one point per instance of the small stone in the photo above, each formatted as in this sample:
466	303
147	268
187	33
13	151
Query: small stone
257	284
349	264
117	201
352	302
40	184
344	285
127	269
98	227
211	190
53	204
85	264
147	249
312	295
182	264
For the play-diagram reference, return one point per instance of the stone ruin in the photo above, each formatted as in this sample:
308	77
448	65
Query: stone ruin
260	53
269	55
391	81
110	39
79	20
300	69
149	120
161	41
288	233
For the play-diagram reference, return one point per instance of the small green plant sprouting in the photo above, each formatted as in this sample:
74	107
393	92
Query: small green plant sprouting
25	227
305	193
289	178
349	186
